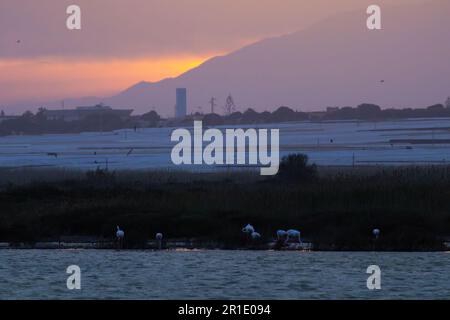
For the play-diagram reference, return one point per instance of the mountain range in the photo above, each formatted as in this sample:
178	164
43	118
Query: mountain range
337	62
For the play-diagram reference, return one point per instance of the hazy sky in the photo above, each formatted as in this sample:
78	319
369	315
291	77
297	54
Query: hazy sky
126	41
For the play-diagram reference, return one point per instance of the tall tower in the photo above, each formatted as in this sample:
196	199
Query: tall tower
212	102
181	106
230	107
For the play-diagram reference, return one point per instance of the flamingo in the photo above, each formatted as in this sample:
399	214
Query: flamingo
248	229
281	234
159	237
120	234
376	233
255	235
293	234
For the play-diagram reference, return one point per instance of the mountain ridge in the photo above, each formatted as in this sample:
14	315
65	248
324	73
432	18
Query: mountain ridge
336	62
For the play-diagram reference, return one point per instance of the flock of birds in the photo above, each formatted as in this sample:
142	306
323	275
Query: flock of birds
285	237
290	235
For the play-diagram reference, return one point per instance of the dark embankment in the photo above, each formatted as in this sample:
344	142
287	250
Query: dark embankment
335	209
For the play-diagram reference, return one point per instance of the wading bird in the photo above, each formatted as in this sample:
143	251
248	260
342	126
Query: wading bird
248	229
120	235
376	233
159	237
255	235
293	235
281	234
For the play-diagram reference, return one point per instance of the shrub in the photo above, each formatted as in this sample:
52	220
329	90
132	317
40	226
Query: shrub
295	167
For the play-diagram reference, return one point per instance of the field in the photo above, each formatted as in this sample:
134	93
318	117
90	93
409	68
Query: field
418	141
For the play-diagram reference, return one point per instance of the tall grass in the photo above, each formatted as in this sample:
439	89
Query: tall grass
336	209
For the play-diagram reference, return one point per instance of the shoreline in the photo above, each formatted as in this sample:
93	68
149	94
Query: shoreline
177	245
170	244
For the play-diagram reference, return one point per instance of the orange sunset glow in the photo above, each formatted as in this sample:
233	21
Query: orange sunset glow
96	77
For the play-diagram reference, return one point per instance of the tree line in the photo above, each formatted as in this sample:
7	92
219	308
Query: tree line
38	123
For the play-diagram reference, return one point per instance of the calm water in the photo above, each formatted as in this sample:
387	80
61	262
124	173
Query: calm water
41	274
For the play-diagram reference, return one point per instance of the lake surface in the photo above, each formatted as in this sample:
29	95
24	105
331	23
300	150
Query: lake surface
41	274
326	143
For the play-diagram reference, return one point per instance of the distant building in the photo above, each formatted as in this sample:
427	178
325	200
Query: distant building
81	113
181	106
447	103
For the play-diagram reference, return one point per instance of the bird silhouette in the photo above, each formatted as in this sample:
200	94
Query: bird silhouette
376	233
281	234
248	229
293	234
255	235
159	237
120	234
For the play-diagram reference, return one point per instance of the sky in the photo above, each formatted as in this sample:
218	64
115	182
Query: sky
123	42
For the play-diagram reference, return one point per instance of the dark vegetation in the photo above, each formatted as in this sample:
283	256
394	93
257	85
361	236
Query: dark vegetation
30	123
363	112
335	209
368	111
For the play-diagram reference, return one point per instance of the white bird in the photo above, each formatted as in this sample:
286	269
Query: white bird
255	235
248	229
120	234
281	234
376	233
159	237
293	234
